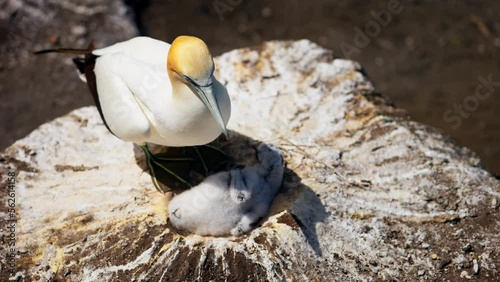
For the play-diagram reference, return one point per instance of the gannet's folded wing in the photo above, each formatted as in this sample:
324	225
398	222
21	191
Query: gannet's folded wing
121	110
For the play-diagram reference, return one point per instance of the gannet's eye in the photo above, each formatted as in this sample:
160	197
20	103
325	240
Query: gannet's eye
197	84
190	81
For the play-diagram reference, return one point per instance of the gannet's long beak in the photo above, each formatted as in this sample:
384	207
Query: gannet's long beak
206	94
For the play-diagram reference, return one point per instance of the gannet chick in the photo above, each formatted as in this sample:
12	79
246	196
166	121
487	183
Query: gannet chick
148	91
230	202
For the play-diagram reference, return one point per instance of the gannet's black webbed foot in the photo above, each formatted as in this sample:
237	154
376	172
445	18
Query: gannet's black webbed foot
153	160
211	158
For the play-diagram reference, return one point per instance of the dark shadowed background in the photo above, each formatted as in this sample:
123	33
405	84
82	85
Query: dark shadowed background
429	57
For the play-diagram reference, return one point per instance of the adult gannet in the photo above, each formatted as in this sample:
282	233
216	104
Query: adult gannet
148	91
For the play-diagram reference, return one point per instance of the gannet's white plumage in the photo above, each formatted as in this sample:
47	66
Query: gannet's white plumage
148	92
230	202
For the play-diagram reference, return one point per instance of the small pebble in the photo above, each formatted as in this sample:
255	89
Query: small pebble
494	203
444	263
468	248
78	30
475	266
425	245
462	261
421	272
434	256
458	233
464	274
17	277
463	213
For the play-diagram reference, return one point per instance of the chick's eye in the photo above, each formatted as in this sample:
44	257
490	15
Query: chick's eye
177	213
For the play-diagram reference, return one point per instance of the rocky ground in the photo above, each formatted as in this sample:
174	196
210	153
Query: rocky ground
368	195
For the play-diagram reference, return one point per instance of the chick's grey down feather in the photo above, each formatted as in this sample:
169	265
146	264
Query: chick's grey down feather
230	202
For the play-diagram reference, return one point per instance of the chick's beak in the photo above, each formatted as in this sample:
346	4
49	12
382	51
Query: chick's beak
206	94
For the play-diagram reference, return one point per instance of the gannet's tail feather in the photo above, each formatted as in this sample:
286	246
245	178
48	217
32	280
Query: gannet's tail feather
65	51
81	63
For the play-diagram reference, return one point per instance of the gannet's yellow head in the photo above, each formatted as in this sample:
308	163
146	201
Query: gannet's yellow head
190	56
190	62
